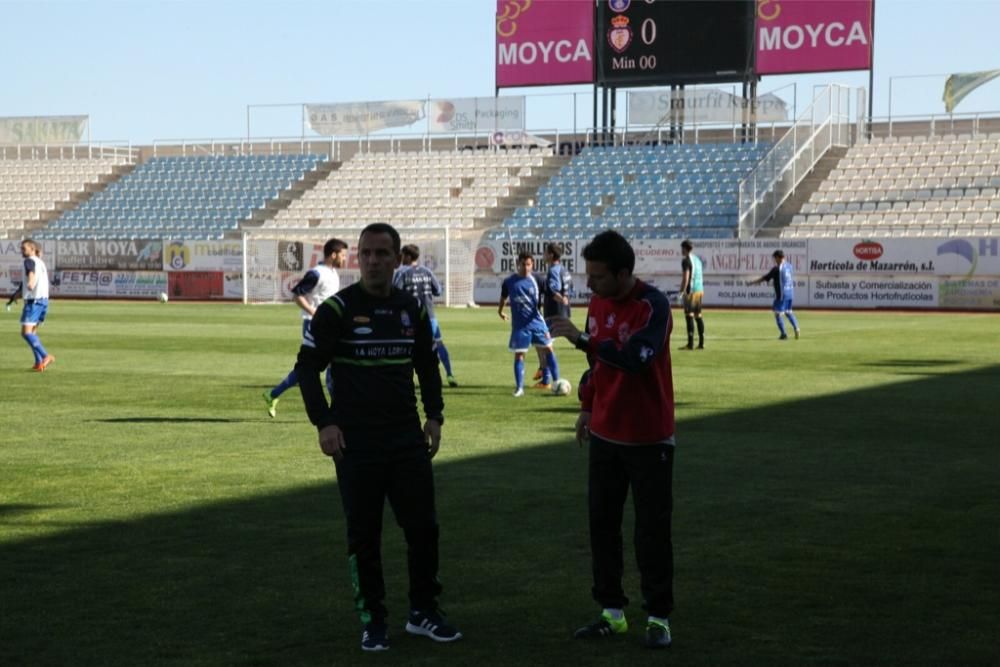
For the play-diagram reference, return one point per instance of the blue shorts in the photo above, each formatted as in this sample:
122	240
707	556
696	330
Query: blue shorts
533	334
782	306
34	311
435	330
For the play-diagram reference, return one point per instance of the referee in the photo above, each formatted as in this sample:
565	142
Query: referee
374	336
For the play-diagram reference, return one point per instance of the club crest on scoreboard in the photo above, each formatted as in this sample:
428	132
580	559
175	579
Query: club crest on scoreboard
620	34
619	5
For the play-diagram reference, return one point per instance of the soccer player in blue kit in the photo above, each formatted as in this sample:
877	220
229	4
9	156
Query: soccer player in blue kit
784	286
35	289
421	283
527	326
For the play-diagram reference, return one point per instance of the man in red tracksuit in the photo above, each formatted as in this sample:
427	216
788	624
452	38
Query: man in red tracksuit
627	414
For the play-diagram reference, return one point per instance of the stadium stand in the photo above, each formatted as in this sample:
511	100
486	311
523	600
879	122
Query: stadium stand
648	191
459	189
186	197
908	186
33	191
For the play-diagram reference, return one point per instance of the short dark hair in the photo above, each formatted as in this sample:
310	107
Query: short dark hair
411	250
687	245
611	248
383	228
332	247
553	249
778	254
525	255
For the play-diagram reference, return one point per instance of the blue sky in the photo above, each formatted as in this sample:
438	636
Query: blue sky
147	70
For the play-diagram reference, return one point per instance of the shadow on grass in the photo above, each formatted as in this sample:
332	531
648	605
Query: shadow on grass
915	363
172	420
12	509
825	530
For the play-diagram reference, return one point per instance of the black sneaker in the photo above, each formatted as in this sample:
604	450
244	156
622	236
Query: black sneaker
431	624
657	634
375	637
605	626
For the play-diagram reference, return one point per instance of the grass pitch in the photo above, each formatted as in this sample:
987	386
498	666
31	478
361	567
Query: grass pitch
835	498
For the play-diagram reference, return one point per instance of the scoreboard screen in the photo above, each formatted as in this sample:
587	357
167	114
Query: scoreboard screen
666	42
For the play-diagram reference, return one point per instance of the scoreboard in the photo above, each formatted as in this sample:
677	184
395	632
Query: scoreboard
672	42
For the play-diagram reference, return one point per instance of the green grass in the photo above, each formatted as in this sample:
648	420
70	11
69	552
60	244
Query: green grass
836	498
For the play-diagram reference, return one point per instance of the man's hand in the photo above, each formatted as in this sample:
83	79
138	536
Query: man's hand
583	428
432	435
561	326
503	315
331	441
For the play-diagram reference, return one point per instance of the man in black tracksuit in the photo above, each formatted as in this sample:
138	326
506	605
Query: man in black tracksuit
374	336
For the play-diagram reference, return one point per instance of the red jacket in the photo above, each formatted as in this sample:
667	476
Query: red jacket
630	394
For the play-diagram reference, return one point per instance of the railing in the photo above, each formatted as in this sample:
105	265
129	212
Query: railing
425	142
696	133
104	149
824	124
974	124
242	146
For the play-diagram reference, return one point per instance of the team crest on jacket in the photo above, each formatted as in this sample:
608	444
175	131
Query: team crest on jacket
624	332
610	322
404	317
645	353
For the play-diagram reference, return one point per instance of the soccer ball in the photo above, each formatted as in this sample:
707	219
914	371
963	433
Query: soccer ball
163	298
562	387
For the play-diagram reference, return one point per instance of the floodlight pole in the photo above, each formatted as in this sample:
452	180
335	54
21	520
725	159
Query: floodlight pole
595	111
871	76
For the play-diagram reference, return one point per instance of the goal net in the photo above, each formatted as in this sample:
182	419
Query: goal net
275	258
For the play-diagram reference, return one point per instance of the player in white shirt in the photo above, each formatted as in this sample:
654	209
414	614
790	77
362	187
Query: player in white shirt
317	285
35	290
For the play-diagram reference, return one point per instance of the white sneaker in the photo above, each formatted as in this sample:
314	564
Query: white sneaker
519	392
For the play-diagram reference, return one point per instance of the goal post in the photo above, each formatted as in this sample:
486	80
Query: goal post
274	259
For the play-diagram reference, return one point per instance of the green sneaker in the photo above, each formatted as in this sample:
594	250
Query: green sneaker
272	403
605	626
657	634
